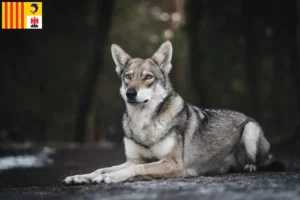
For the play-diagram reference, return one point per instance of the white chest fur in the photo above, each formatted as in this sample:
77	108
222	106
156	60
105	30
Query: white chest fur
159	150
146	127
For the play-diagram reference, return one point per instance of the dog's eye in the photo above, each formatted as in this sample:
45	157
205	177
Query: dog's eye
149	77
128	76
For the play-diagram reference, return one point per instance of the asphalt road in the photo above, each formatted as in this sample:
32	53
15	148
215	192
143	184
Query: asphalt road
45	182
279	186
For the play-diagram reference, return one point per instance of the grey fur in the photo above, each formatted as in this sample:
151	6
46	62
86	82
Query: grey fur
214	146
177	138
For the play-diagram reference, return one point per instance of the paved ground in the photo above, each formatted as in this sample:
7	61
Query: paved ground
279	186
45	183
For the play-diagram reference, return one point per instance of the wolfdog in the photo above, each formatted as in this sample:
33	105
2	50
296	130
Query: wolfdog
166	137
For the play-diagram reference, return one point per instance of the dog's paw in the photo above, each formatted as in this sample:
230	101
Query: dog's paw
98	179
77	179
250	168
110	178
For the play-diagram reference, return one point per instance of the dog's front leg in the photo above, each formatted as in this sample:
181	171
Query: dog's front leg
160	169
168	167
86	178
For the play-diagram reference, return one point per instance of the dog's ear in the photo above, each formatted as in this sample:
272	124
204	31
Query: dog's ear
120	57
163	56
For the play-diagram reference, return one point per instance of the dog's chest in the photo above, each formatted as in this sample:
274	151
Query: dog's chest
147	130
148	136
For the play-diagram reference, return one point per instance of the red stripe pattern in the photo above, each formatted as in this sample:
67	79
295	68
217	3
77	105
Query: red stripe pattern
17	15
11	14
6	15
22	15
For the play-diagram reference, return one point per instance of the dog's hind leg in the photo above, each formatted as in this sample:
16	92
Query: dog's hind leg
252	137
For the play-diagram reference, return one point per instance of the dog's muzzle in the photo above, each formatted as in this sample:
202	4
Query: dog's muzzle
131	93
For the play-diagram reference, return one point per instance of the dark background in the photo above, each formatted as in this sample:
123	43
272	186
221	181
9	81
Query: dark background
59	84
59	89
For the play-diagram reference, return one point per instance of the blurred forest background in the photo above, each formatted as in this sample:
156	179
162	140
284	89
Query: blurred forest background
59	84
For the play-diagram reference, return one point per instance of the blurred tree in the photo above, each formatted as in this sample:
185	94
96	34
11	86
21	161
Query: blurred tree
279	47
13	45
193	15
104	15
252	54
292	14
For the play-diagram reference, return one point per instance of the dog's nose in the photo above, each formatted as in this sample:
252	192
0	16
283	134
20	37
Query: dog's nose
131	93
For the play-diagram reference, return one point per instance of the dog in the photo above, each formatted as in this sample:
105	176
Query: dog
166	137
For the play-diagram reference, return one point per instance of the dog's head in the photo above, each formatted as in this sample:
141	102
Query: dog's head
143	80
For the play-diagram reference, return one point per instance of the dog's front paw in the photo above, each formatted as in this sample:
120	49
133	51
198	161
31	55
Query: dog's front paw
77	179
110	178
98	179
250	168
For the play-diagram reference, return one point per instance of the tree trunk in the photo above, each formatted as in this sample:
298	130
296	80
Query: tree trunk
280	38
252	58
193	10
104	11
292	13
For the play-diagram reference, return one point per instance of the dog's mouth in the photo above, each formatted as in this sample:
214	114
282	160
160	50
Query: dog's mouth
136	102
